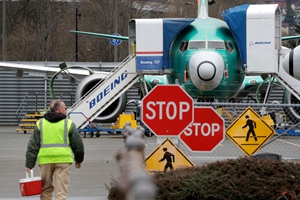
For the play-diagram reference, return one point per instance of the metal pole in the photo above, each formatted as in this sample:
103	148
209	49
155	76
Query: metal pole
27	101
71	99
76	37
36	100
4	31
45	91
116	29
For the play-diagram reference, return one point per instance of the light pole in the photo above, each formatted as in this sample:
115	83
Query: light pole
116	29
78	17
4	31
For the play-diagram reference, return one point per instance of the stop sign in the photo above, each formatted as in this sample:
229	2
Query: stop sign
206	132
167	110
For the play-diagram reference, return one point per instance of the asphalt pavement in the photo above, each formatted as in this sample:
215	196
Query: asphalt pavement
100	166
89	182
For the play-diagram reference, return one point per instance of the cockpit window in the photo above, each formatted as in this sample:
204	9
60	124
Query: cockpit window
216	45
206	45
229	47
196	45
183	46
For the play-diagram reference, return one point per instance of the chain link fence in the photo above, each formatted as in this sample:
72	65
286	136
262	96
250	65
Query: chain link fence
283	118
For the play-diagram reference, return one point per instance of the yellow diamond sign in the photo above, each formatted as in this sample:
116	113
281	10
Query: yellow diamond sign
167	156
249	132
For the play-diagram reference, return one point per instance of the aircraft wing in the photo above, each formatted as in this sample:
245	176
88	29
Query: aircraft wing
290	37
125	38
81	72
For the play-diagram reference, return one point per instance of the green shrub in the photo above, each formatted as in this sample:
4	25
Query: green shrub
234	179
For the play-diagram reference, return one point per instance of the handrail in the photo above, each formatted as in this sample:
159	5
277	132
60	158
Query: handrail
20	110
126	60
23	107
17	112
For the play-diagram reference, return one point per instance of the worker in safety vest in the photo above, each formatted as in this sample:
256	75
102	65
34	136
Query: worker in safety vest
54	139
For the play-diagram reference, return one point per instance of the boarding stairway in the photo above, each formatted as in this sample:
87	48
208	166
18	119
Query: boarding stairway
287	82
26	117
28	123
103	94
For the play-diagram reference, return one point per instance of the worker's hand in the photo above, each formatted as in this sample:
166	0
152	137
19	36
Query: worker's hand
28	170
77	165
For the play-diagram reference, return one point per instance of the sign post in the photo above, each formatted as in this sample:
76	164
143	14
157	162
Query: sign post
206	132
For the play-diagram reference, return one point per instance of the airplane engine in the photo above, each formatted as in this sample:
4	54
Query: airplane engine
112	112
291	63
293	113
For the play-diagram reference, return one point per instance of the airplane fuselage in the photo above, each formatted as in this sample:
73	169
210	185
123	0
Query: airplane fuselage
205	60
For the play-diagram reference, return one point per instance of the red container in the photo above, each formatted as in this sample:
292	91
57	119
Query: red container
30	185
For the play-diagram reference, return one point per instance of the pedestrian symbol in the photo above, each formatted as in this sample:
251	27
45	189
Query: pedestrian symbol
252	125
167	157
249	132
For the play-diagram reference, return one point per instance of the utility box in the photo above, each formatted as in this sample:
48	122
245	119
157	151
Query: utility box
267	156
263	38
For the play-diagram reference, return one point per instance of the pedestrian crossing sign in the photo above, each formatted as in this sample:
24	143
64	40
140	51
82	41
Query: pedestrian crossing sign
249	132
167	156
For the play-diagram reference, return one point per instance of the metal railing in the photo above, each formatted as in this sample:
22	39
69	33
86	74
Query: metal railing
285	141
27	104
23	107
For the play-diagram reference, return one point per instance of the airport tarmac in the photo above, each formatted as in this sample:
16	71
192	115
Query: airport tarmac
89	182
100	166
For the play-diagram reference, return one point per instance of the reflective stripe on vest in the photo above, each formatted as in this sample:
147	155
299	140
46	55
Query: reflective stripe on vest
65	144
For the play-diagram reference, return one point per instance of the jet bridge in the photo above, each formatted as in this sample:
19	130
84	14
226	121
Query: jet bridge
104	93
152	39
257	30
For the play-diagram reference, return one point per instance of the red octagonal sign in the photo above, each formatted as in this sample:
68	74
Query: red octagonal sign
206	132
167	110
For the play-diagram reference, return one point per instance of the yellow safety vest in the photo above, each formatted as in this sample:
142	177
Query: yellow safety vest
55	142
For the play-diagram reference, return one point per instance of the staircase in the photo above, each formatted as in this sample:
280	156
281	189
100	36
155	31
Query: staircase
29	122
289	84
104	93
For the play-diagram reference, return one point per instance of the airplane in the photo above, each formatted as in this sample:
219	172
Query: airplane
204	58
205	61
